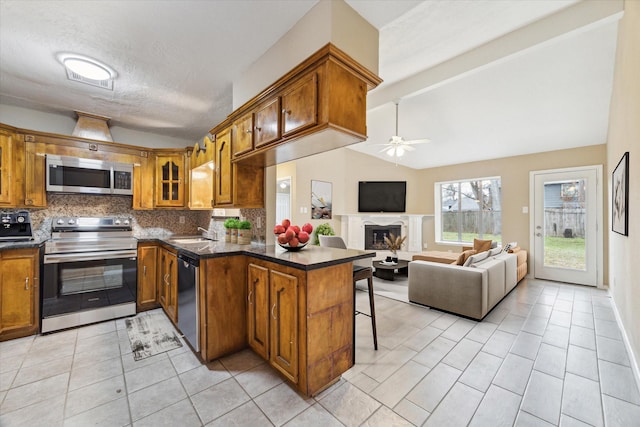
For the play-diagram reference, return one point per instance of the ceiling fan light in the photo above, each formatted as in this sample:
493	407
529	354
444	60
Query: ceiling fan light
391	151
399	151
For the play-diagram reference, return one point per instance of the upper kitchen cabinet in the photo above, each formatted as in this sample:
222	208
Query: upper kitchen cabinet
267	128
170	181
318	106
201	169
143	182
242	140
224	175
7	165
300	105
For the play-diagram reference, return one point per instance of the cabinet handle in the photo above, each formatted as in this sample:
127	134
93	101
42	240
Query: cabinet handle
258	128
26	283
249	297
144	271
273	308
285	111
248	131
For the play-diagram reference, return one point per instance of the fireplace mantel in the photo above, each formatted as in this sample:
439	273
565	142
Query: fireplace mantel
353	228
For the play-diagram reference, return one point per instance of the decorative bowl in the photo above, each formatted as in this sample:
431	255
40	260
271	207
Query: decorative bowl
293	248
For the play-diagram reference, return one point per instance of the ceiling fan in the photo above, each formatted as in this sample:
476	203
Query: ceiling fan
397	146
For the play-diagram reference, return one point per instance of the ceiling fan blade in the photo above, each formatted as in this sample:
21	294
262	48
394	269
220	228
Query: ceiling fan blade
417	141
408	148
384	149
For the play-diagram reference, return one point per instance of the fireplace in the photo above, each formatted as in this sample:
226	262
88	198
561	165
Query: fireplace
374	236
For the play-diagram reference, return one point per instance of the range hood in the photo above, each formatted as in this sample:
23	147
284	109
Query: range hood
91	126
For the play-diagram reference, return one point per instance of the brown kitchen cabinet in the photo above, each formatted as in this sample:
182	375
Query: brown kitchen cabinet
143	182
267	127
258	309
35	195
7	166
242	137
300	105
168	283
202	175
147	276
224	172
19	293
170	180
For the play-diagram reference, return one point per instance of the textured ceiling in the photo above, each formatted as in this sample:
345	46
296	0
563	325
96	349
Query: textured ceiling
177	59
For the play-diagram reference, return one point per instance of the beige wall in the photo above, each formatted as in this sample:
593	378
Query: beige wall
624	135
514	174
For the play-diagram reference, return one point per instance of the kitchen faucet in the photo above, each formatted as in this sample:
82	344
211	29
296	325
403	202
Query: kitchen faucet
207	233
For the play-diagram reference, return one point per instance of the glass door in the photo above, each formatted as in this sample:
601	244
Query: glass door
566	226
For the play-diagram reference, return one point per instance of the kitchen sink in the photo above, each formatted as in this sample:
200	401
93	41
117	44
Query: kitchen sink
188	240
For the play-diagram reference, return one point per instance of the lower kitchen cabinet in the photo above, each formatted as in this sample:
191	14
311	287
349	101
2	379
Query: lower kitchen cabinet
19	293
147	276
168	283
307	323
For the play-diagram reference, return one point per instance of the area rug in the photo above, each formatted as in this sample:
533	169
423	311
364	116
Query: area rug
397	289
150	334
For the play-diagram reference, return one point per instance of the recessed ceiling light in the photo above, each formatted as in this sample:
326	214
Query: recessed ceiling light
88	70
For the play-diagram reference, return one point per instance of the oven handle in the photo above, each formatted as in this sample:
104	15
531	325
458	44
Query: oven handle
92	256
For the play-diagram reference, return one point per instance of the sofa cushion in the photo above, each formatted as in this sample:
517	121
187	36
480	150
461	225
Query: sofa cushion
464	255
481	245
476	258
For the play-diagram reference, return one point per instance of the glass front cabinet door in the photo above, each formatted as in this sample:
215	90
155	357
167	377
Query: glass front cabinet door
170	180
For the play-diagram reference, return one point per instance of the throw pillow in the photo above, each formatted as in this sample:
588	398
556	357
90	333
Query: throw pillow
481	245
476	258
464	255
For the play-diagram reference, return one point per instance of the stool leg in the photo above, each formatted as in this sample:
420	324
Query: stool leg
373	312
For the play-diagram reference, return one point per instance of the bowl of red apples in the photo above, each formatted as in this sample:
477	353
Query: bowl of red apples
292	237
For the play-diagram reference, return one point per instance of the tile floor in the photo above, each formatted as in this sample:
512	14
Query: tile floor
549	354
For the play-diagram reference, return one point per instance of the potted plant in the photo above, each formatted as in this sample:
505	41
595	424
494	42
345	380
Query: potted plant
230	225
393	244
323	230
244	232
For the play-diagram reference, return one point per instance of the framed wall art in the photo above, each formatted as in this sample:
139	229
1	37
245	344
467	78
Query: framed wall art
620	196
320	200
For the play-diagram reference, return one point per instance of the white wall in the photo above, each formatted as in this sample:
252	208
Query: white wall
63	124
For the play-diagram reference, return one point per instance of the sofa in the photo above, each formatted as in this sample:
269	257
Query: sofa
471	289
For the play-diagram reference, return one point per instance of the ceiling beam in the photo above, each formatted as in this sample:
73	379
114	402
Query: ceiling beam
580	17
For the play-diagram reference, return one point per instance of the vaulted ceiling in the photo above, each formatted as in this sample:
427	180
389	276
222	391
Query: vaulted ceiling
481	79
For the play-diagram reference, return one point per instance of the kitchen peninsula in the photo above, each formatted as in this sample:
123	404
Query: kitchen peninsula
294	309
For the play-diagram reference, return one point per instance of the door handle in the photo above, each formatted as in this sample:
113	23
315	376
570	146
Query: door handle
249	297
273	308
26	283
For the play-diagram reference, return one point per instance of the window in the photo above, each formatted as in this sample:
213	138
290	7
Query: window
468	209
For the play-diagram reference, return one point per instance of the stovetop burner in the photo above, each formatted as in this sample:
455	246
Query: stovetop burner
90	234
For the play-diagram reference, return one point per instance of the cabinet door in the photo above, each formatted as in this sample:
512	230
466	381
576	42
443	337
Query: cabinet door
284	323
18	293
170	181
300	105
242	135
258	309
224	171
147	277
35	170
6	166
143	183
267	118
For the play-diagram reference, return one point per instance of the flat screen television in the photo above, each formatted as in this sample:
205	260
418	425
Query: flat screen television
382	196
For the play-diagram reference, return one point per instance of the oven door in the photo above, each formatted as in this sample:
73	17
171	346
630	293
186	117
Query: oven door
77	282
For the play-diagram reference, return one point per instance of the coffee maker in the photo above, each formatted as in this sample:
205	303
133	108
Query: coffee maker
15	226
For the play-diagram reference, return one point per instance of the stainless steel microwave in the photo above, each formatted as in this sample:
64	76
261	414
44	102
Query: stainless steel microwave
78	175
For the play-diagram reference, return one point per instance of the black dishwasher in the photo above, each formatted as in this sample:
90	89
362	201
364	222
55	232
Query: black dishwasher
188	299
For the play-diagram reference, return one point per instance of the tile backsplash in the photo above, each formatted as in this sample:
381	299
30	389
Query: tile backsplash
155	222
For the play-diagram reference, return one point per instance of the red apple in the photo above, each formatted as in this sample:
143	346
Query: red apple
282	238
303	237
294	242
278	229
290	234
308	228
296	229
286	223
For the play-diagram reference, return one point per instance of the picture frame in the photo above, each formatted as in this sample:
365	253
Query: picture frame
620	196
321	204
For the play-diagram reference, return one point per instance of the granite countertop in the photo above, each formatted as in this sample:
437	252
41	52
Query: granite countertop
309	258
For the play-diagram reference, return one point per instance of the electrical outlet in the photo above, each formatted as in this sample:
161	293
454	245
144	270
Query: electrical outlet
259	222
181	219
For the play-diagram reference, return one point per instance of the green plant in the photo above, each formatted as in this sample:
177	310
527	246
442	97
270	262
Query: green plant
244	225
230	223
323	230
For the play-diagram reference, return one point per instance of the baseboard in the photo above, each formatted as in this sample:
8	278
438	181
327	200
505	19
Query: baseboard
633	358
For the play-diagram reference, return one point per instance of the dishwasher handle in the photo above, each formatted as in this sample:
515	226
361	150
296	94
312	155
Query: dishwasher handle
189	260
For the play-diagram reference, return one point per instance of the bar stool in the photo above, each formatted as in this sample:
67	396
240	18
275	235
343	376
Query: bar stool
360	272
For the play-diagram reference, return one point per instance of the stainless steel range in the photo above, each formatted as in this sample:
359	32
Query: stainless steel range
90	272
